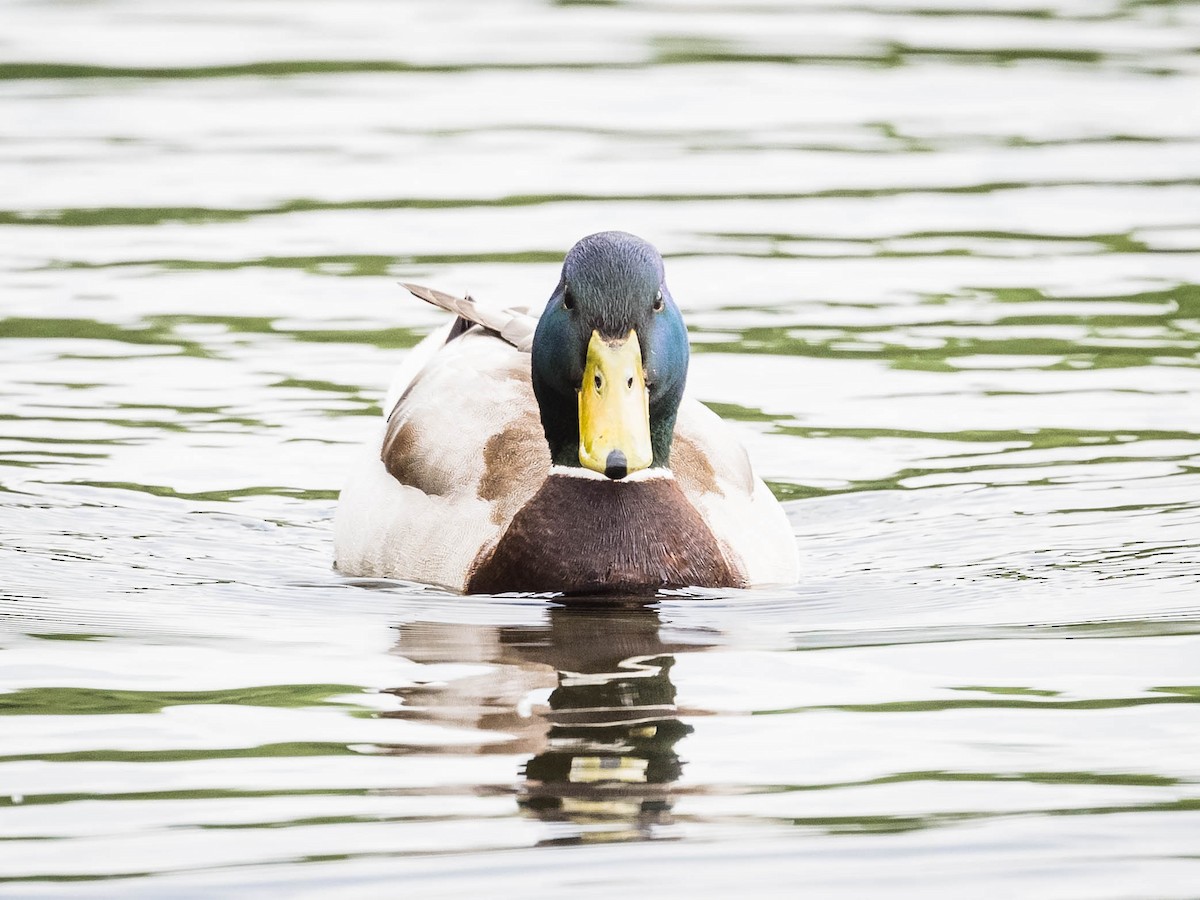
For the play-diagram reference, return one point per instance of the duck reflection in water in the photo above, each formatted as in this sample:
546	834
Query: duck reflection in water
602	747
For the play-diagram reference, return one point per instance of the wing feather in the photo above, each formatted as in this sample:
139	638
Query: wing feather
513	323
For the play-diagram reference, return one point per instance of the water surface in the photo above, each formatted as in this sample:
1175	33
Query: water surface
941	265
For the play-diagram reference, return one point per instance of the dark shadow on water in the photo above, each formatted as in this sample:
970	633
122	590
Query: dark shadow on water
603	749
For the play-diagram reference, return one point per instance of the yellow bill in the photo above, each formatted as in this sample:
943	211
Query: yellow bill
614	408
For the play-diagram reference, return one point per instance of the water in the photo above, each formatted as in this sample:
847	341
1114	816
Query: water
941	262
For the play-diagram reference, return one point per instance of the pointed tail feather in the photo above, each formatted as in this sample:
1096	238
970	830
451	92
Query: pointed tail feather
513	324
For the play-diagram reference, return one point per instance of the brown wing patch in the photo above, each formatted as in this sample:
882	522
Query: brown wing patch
398	454
516	461
692	467
520	374
407	460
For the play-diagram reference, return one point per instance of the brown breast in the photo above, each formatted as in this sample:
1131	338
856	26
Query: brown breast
585	535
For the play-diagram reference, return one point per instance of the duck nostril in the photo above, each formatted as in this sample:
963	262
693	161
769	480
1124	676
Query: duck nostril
599	381
629	383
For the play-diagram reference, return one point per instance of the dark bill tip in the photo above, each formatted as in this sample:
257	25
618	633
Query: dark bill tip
616	466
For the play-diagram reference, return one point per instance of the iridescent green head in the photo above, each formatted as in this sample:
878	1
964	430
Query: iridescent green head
610	358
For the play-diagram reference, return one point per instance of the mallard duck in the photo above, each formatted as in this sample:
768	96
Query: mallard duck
560	454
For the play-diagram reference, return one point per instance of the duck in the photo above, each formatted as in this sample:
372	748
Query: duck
560	453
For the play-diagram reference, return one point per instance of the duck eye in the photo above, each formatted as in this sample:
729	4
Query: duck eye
568	300
658	301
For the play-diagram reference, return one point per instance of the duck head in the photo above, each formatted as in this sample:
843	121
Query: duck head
610	358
